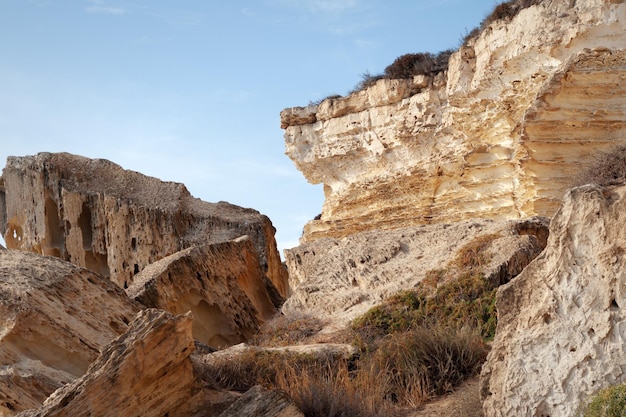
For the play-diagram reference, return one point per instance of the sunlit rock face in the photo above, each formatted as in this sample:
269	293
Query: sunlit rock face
562	321
97	215
54	319
499	135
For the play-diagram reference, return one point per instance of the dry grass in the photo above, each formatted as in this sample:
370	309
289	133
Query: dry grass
287	330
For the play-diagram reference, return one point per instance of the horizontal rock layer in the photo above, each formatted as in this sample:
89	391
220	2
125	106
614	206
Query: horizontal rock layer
95	214
499	135
54	319
562	322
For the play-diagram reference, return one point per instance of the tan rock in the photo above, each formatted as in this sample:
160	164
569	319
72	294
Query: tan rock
499	135
561	322
95	214
54	319
147	371
342	278
221	284
321	350
261	402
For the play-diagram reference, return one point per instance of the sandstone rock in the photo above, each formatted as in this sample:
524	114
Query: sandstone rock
95	214
221	284
336	350
260	402
147	371
54	319
499	135
561	322
342	278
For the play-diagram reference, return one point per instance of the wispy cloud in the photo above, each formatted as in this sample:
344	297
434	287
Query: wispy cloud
322	6
100	7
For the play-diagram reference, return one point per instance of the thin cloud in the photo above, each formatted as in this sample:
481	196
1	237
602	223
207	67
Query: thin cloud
106	10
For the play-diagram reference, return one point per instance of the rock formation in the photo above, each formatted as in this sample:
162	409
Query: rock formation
561	322
221	284
342	278
499	135
113	221
55	318
260	402
147	371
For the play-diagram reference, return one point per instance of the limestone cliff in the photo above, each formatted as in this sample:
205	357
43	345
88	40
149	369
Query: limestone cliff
561	322
95	214
499	135
54	319
221	284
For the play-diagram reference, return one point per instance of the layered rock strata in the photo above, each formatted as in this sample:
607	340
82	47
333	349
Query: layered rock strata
54	319
499	135
95	214
221	284
562	322
342	278
146	371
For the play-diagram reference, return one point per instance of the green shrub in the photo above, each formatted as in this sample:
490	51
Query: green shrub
467	301
610	402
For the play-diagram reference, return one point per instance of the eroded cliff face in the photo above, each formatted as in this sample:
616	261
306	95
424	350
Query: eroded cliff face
498	136
97	215
562	323
221	284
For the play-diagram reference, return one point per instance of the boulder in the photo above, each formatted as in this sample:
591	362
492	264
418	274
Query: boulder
54	319
562	322
97	215
221	284
147	371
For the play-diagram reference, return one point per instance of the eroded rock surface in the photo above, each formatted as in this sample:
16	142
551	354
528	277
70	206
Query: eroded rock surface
562	322
221	284
95	214
54	319
499	135
342	278
261	402
147	371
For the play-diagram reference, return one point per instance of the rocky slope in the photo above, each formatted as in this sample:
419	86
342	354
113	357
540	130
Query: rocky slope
338	279
498	136
97	215
561	322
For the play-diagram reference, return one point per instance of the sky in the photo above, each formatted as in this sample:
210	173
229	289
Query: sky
191	90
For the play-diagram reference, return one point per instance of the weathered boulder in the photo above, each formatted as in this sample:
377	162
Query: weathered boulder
499	135
342	278
221	284
261	402
147	371
54	319
95	214
562	322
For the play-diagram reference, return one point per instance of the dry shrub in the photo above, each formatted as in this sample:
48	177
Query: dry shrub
285	330
367	80
607	168
424	63
475	253
423	363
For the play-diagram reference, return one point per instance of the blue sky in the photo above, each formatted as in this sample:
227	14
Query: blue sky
191	91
